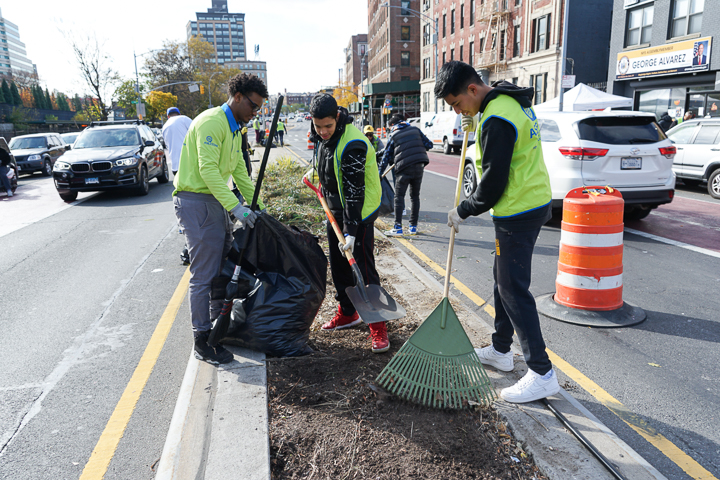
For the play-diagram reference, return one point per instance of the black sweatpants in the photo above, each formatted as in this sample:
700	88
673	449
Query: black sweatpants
340	267
408	177
281	133
515	308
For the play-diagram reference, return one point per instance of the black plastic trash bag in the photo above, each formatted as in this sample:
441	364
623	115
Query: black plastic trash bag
387	202
291	269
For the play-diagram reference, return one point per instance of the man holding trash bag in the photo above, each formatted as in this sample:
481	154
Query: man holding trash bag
347	168
203	201
515	187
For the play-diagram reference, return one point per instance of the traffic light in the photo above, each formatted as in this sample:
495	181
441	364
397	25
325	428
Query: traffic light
202	89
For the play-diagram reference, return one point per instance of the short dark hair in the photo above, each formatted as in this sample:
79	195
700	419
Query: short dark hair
323	105
454	78
245	84
395	120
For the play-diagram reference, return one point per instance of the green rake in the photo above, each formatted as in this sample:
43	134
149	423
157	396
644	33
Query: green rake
438	366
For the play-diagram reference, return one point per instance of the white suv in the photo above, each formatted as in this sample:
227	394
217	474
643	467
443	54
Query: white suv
625	150
698	153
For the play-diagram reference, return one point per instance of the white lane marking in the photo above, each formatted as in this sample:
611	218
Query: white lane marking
675	243
73	354
442	175
590	283
696	200
591	239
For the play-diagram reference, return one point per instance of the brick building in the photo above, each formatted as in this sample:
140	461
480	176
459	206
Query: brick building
654	59
516	40
355	57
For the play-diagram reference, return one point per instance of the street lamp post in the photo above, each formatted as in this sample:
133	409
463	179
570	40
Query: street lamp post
137	77
209	94
434	21
362	86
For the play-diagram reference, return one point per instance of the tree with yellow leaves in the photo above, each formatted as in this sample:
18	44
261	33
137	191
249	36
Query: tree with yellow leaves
158	102
344	94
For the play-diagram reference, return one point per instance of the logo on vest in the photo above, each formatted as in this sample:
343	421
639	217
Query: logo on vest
530	113
209	141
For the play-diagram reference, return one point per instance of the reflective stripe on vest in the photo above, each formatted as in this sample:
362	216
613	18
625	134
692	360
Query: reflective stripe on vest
373	191
528	184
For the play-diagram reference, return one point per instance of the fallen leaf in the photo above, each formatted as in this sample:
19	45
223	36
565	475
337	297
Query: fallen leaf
654	365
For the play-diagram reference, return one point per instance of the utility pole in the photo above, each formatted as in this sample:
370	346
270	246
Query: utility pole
564	53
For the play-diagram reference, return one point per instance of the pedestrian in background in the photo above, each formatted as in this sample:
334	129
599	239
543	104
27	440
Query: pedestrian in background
174	131
374	141
407	150
347	168
203	201
256	127
281	132
515	187
5	166
666	122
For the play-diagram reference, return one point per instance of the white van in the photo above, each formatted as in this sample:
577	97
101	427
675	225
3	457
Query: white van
444	130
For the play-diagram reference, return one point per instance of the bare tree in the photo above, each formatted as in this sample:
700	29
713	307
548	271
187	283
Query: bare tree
95	68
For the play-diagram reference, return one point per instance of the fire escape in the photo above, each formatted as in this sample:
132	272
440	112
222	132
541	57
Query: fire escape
494	15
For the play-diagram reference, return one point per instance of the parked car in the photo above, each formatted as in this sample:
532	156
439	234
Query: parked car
13	172
300	118
111	155
69	138
37	152
414	121
444	130
625	150
698	153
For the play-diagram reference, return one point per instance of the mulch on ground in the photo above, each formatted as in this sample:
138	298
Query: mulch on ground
328	420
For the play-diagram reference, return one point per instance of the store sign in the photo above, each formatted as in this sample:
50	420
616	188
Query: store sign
568	81
671	59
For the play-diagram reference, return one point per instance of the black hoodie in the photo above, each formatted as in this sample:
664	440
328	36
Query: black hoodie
498	142
352	165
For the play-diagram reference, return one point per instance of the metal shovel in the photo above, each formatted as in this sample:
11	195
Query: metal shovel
372	302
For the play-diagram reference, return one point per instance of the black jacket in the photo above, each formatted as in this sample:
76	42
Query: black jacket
352	165
407	146
498	142
666	122
5	159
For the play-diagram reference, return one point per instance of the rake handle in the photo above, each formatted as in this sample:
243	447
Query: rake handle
458	190
348	254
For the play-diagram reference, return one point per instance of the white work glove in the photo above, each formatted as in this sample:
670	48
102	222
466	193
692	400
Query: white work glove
468	123
244	217
311	176
454	220
348	245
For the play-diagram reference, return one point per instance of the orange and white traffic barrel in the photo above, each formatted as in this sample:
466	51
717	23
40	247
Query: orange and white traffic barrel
589	282
591	250
311	146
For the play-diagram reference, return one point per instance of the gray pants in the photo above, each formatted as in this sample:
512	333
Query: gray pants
208	233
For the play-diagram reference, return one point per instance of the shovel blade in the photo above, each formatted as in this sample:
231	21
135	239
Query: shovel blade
379	307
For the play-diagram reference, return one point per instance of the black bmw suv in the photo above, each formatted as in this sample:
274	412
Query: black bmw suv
110	155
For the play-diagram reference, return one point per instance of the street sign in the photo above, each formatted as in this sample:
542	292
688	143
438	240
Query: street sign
193	87
568	81
141	110
133	102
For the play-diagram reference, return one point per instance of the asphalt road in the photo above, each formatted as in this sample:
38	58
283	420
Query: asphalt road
83	288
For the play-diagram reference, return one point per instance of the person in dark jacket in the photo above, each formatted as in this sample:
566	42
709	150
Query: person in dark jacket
515	187
347	168
5	166
666	122
407	151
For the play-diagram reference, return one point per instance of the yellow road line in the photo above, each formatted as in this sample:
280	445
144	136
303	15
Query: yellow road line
105	448
666	447
302	160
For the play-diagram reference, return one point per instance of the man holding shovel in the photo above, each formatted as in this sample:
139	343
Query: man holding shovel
515	187
347	168
203	201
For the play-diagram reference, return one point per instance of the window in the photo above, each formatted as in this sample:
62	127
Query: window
516	41
620	130
501	55
539	82
639	26
472	12
471	54
461	53
518	3
443	62
444	22
452	21
707	135
405	59
687	17
426	68
405	6
541	26
514	80
462	16
452	54
683	134
426	35
482	44
549	130
404	33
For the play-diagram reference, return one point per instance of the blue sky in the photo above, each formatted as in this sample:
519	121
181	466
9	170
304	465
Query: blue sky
302	40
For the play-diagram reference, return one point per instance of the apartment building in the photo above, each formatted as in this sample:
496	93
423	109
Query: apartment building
224	30
355	60
13	56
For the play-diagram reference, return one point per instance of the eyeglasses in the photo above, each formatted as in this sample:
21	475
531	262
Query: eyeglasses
255	107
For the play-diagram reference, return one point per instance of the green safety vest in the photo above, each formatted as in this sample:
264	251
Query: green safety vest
256	124
280	127
528	184
373	190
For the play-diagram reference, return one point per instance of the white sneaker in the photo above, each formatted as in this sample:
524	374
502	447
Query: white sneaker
502	361
530	388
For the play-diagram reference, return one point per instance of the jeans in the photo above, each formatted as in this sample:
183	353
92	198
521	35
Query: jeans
4	179
408	177
515	308
281	134
208	235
